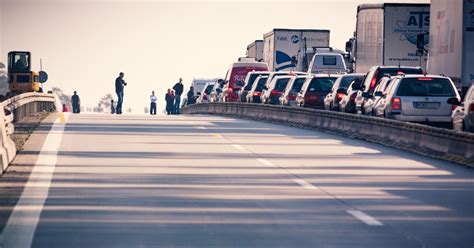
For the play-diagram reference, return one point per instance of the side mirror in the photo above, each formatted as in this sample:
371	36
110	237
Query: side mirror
366	95
454	101
199	93
341	90
378	93
219	90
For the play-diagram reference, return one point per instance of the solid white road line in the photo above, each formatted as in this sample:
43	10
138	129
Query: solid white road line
238	147
304	184
21	225
369	220
201	128
265	162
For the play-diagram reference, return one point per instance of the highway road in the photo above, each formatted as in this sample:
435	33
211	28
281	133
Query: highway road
207	181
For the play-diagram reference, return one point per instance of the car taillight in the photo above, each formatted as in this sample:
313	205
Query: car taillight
339	96
291	96
396	103
471	107
274	92
374	80
230	90
257	94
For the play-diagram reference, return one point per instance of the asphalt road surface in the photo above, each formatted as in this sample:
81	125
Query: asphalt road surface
206	181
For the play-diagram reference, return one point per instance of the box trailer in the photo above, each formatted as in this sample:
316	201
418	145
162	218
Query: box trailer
255	50
386	34
451	50
281	46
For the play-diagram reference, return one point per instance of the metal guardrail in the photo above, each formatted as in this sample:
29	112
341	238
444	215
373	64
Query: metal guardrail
15	109
430	141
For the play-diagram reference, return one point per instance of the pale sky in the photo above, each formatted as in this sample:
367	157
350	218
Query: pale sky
85	44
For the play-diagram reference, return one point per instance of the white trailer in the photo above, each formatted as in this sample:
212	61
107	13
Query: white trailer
281	46
451	50
386	34
255	50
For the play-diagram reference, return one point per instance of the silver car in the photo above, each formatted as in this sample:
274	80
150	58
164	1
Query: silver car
418	98
463	115
379	92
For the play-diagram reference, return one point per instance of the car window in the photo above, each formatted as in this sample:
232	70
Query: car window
261	83
321	84
298	84
251	81
347	80
209	89
470	95
281	84
425	87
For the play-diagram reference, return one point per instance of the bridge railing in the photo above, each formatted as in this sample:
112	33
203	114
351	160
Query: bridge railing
15	109
429	141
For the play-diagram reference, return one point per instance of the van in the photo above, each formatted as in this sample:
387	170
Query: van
235	77
327	63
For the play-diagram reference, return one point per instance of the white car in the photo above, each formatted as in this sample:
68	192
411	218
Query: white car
419	98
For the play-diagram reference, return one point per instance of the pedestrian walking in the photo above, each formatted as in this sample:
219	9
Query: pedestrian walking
178	90
169	97
119	85
191	96
153	103
112	106
76	103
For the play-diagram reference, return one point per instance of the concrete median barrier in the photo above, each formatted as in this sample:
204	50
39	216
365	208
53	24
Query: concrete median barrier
15	109
429	141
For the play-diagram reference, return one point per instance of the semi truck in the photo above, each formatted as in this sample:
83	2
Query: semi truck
282	46
386	34
255	50
451	50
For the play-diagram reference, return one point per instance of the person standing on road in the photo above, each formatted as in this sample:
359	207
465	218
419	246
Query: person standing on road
178	90
191	97
76	103
169	97
119	85
153	103
112	106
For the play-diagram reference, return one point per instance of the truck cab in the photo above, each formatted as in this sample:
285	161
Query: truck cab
20	77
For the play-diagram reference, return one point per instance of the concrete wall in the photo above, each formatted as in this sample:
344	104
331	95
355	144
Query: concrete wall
429	141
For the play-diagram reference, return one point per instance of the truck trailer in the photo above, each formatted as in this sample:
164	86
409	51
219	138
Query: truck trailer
282	46
451	50
255	50
386	34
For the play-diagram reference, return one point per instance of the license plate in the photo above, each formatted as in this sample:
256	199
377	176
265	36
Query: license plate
427	105
313	98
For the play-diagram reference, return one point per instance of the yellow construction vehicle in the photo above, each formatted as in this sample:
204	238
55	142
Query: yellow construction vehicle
21	78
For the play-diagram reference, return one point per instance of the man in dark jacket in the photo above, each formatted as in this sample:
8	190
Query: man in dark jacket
119	85
76	103
169	97
178	91
191	97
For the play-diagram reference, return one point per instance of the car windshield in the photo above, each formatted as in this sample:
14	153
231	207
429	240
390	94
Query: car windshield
209	89
260	84
321	84
297	84
347	80
426	87
281	84
251	81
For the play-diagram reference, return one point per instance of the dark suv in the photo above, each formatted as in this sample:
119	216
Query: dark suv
372	79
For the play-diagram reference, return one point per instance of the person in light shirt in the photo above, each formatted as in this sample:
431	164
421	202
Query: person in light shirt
153	103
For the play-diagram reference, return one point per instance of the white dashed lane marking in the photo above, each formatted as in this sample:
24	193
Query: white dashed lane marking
238	147
304	184
265	162
369	220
